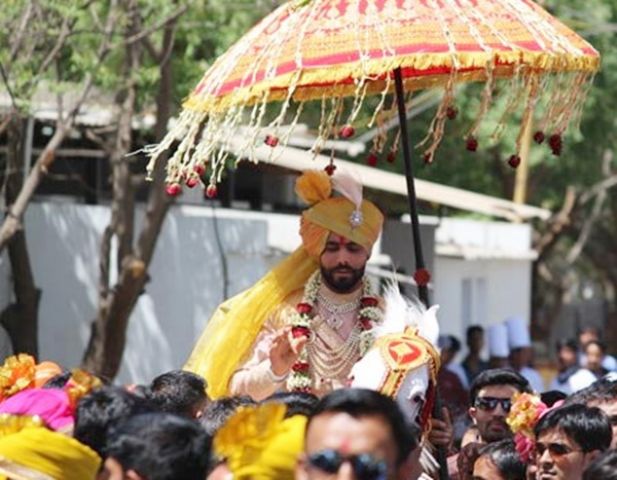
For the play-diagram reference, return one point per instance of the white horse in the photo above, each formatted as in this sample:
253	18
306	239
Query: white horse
403	361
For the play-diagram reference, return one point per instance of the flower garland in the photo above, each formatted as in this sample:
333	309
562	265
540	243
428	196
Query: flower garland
369	315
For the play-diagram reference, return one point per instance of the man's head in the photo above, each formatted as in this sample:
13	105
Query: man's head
568	439
499	461
594	354
297	403
475	339
567	354
357	434
179	392
520	357
449	346
157	446
342	263
491	398
220	410
588	334
603	395
101	409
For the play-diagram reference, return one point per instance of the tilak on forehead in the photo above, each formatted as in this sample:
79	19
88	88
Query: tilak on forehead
348	215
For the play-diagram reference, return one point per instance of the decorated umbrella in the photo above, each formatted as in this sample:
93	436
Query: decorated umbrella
338	52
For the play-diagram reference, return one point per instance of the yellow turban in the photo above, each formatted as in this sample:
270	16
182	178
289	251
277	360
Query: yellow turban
36	452
233	328
259	444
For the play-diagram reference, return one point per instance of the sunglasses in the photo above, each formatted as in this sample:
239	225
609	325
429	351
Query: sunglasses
365	466
490	403
555	450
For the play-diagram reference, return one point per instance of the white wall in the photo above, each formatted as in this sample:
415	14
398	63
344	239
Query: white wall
185	288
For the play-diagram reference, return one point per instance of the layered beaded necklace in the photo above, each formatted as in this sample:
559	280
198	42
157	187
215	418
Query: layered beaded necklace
331	363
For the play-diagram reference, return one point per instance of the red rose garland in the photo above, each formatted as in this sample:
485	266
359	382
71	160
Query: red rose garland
369	315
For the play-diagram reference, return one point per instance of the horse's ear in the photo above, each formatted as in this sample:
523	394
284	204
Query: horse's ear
429	326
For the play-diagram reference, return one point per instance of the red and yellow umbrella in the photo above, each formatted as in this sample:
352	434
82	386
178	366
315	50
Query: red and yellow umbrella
340	51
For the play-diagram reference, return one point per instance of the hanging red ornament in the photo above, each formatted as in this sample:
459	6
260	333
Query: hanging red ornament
422	276
372	159
391	156
199	169
538	137
174	189
211	191
346	131
427	157
330	169
472	143
192	182
514	161
556	144
452	112
271	141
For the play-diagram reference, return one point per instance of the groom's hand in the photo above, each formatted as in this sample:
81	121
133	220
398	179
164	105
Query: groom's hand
285	351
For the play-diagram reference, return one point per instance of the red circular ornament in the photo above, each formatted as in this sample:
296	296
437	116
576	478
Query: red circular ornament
199	169
555	142
271	141
330	169
472	143
422	277
300	331
538	137
451	112
391	157
304	308
372	159
369	302
173	190
514	161
211	191
347	131
192	182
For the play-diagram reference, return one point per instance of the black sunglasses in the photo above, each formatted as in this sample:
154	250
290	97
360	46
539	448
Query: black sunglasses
555	450
490	403
365	466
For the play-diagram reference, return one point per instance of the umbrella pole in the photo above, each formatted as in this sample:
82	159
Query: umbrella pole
411	188
415	233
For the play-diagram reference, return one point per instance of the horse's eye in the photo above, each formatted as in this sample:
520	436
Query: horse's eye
417	399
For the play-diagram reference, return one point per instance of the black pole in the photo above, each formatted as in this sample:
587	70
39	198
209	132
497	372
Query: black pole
411	188
415	233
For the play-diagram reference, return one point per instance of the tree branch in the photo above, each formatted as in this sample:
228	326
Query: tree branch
157	26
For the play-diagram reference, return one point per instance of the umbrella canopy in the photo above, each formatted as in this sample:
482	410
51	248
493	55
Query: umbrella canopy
340	51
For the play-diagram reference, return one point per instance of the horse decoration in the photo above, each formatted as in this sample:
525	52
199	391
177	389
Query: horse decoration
403	362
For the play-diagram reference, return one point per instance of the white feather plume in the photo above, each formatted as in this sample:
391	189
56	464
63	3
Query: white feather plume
402	312
349	185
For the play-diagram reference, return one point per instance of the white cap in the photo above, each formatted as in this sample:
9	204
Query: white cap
498	341
518	333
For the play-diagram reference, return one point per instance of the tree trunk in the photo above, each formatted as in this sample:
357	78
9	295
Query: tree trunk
105	349
21	317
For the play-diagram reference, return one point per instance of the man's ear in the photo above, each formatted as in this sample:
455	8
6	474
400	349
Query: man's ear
112	470
133	475
300	470
591	456
472	413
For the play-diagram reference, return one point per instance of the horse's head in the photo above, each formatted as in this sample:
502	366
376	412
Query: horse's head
403	362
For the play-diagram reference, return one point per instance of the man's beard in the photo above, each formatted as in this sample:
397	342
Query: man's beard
491	435
345	284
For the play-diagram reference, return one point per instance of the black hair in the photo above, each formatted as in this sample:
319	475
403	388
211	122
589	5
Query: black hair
471	331
219	411
604	467
360	402
297	403
161	446
602	391
58	381
598	343
506	459
589	329
589	427
498	376
449	342
178	392
550	397
568	343
103	408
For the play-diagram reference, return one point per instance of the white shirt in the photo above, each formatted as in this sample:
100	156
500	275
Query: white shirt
580	379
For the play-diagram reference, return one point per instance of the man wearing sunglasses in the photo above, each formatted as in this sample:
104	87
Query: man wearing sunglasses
491	398
568	439
361	435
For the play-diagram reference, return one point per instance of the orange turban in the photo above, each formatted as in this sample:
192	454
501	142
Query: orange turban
350	216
